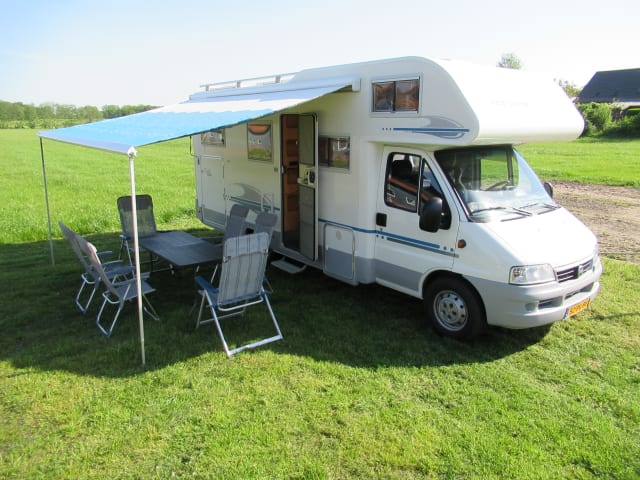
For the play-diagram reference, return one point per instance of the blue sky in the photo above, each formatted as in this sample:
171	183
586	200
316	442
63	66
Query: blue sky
99	52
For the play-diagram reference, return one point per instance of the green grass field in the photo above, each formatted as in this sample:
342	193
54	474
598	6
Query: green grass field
359	388
586	160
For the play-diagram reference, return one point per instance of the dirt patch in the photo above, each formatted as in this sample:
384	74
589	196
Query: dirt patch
612	213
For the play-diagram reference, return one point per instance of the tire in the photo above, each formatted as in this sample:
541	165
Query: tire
454	308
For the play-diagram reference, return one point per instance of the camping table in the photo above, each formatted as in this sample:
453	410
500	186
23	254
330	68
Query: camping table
181	249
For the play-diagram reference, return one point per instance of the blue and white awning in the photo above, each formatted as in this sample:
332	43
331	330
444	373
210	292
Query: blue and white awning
199	114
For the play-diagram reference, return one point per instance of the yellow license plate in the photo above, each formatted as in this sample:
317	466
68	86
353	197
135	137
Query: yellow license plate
577	308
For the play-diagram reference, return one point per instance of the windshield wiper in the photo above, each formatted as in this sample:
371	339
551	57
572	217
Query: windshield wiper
519	211
548	206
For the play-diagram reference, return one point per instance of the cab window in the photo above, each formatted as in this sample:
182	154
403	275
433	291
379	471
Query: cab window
410	183
402	182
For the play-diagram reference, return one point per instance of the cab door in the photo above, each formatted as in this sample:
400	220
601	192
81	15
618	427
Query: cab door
404	252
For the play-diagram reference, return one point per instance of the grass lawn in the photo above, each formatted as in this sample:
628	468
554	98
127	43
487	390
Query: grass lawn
586	160
359	388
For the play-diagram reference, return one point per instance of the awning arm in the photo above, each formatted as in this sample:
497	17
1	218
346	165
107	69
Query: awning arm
46	199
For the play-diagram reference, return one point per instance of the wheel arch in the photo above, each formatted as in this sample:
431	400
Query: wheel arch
444	274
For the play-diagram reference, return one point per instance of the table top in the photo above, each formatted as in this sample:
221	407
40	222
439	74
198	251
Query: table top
181	249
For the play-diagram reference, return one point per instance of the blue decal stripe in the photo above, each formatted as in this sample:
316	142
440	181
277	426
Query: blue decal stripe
420	245
431	130
410	242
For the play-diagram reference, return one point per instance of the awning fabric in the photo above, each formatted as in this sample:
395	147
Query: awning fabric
197	115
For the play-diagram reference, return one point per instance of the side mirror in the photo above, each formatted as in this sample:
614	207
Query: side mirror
549	188
431	215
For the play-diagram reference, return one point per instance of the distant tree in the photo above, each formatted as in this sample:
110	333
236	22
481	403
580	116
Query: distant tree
66	111
46	110
54	115
131	109
510	60
597	115
569	88
111	111
90	113
29	112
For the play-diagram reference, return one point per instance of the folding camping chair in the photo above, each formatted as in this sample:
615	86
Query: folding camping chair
117	292
240	286
266	222
234	226
90	277
146	221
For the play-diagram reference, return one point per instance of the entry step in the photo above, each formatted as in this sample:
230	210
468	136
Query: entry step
288	265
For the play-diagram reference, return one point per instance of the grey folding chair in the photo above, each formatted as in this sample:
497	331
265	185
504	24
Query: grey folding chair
266	222
146	220
117	292
91	278
235	221
239	287
234	226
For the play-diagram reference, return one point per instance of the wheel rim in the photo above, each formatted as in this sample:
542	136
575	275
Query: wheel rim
450	310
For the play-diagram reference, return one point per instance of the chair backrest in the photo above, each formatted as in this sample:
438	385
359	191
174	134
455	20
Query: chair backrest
74	240
266	222
70	235
243	265
235	222
91	253
144	212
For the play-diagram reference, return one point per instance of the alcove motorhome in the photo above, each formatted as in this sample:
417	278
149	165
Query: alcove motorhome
403	172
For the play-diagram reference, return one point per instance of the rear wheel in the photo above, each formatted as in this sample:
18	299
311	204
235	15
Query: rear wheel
454	308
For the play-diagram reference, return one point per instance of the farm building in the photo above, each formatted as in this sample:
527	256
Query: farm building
621	87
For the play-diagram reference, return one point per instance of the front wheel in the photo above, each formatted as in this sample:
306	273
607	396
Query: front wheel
454	308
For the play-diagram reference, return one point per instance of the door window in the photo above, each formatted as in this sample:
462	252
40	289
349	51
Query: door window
410	183
402	182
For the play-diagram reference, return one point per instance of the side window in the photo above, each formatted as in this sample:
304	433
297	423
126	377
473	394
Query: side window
213	137
430	188
402	182
334	152
259	144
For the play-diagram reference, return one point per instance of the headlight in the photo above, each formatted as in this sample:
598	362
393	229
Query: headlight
596	257
531	274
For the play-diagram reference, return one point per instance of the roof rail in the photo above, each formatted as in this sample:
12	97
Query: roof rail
249	82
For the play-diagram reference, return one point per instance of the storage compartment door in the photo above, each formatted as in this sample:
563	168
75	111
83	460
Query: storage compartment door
339	252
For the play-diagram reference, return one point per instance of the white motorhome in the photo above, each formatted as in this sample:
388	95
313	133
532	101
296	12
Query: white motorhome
403	172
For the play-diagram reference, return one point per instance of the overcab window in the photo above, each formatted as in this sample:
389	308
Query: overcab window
396	96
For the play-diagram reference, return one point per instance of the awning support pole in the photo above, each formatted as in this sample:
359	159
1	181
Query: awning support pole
46	199
136	251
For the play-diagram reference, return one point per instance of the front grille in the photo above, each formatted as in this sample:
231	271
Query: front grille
574	272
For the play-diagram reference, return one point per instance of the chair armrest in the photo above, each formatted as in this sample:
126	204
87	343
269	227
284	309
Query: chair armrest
104	254
205	285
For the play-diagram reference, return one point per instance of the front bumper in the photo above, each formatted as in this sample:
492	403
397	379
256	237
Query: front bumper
518	307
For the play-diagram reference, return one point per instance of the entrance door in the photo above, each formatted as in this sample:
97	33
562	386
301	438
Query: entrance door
300	184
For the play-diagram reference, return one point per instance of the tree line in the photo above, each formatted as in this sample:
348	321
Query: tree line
54	115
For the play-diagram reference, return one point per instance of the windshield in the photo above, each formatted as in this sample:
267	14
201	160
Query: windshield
494	183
